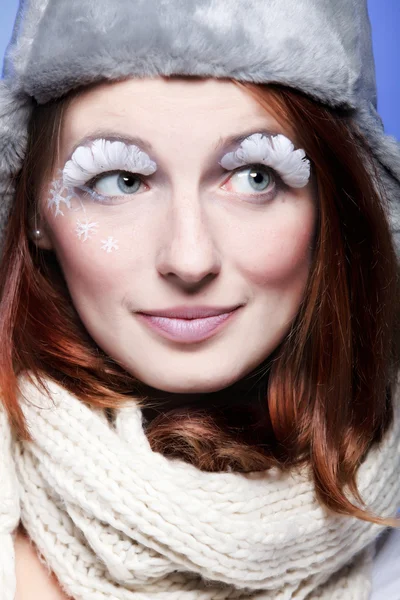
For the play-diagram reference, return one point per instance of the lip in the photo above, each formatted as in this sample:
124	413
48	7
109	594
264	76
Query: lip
190	312
188	330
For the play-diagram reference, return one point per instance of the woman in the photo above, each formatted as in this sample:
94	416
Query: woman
199	317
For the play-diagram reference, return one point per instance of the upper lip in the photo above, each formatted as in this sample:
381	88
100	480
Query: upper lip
190	312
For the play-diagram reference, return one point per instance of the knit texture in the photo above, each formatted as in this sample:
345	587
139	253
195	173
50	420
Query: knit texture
113	519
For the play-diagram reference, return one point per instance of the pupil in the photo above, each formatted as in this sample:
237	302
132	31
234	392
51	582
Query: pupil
258	178
128	180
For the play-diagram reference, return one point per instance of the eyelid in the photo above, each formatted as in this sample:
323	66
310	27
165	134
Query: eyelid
275	173
113	172
142	177
88	186
101	198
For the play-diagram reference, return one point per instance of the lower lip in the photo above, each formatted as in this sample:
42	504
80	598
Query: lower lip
188	330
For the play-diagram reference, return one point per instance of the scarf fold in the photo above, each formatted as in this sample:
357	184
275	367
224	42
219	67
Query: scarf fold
113	519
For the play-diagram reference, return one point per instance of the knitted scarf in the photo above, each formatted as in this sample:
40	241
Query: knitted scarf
113	519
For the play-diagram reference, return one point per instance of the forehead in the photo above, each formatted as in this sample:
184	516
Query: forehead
167	111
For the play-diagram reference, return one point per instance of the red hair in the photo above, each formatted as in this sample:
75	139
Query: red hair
326	393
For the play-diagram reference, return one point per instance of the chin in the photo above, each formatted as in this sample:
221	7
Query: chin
184	385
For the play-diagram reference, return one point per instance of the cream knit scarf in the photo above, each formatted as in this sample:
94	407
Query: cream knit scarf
113	519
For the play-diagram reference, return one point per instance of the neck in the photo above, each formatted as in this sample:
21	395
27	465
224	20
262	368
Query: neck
245	397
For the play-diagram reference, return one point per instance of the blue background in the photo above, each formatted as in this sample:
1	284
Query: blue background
385	20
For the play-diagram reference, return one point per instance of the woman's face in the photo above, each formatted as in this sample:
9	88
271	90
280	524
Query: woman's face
185	232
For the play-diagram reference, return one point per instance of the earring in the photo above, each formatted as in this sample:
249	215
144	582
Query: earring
36	234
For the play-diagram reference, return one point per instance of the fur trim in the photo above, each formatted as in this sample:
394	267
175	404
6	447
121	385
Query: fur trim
79	41
15	111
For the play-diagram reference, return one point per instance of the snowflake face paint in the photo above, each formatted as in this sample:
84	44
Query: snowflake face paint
106	161
59	194
106	172
109	244
85	229
276	152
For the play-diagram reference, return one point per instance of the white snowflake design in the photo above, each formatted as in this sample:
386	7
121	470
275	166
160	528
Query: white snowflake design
109	244
59	193
85	229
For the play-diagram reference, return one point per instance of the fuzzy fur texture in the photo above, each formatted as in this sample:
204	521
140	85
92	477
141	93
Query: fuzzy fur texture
321	47
110	40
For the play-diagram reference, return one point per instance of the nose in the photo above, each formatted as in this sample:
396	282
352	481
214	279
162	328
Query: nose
188	253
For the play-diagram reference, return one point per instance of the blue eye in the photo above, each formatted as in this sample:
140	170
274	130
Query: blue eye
116	184
253	178
245	180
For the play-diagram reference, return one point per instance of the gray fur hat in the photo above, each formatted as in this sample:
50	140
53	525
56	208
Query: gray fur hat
322	47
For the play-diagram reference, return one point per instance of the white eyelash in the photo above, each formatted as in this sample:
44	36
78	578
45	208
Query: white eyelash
276	152
105	155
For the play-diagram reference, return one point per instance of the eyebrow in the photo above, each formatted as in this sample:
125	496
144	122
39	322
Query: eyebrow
223	142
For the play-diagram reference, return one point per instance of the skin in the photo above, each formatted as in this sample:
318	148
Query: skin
186	237
33	578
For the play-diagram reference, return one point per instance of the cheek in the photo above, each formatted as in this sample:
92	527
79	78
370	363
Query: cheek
276	250
91	266
270	249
